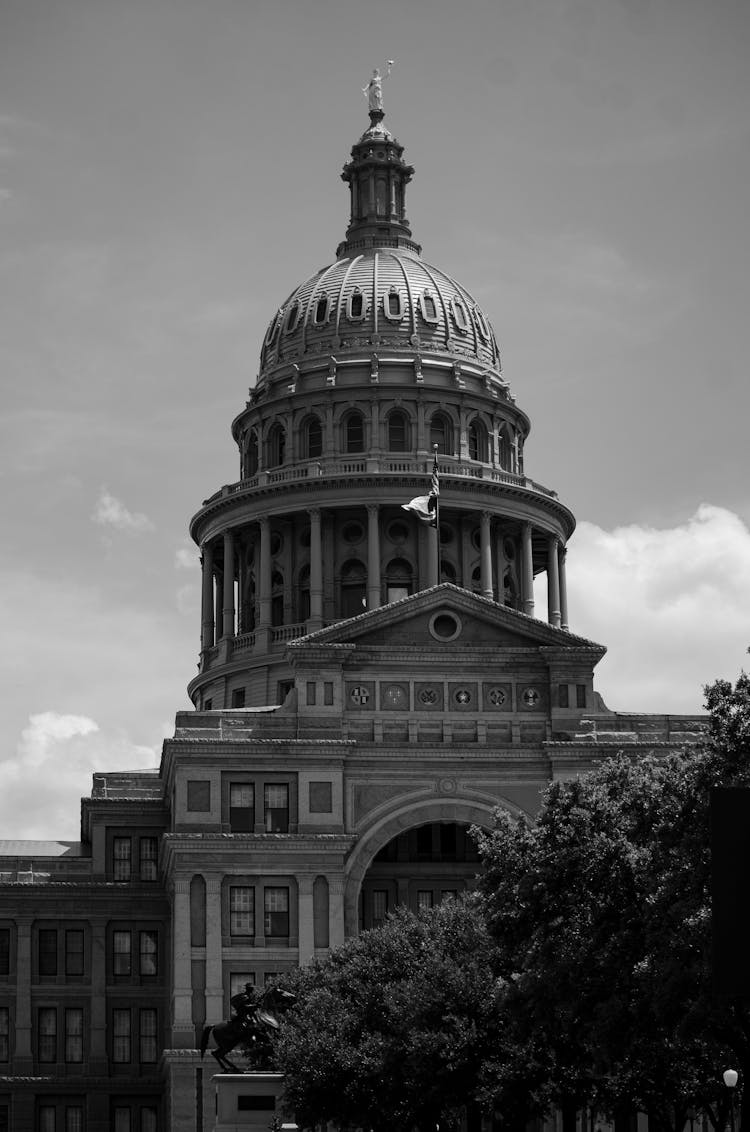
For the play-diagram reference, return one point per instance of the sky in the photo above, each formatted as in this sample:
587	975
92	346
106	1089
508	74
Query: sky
169	172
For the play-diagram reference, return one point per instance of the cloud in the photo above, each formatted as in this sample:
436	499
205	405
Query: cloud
186	557
57	753
111	512
670	604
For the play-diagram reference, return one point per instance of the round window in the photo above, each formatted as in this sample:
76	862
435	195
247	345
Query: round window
398	532
353	532
445	626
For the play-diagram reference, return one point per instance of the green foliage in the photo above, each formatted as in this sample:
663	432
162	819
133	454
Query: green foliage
390	1029
601	918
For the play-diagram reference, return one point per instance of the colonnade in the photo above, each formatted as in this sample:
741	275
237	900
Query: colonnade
219	613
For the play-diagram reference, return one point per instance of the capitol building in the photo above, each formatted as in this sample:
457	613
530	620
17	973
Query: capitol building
371	685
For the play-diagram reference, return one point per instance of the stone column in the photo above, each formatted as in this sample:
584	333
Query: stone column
227	624
264	579
527	570
335	911
22	1059
316	571
207	565
214	973
553	583
183	1033
486	555
305	922
373	556
562	556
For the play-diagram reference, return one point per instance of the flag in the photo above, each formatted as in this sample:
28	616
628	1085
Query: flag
425	507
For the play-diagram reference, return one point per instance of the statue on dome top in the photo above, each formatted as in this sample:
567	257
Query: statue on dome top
374	89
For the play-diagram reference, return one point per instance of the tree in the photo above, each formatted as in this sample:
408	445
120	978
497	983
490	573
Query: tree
390	1030
601	918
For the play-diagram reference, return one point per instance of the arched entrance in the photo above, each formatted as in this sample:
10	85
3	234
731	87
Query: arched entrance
408	853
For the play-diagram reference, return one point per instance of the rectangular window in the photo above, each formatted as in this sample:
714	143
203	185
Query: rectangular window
47	1033
148	1120
122	1119
74	951
199	796
310	693
241	807
424	899
47	951
74	1035
563	697
147	1035
448	841
276	807
149	953
121	953
4	951
276	913
448	894
4	1033
328	693
238	697
237	980
121	1036
47	1118
242	910
580	695
121	863
74	1118
379	906
148	851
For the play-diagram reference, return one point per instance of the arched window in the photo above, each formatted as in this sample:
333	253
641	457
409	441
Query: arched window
428	308
505	451
251	454
353	588
320	311
476	580
303	594
355	306
312	439
477	441
393	305
247	606
399	579
441	433
447	572
398	431
276	446
292	318
277	598
354	433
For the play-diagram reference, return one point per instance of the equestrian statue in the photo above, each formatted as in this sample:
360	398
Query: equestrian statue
254	1023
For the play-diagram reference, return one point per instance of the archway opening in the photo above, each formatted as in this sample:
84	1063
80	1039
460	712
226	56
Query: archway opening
419	868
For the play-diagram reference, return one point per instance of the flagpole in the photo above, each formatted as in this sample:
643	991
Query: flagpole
437	516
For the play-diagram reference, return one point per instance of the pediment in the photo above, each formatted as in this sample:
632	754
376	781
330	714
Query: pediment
450	616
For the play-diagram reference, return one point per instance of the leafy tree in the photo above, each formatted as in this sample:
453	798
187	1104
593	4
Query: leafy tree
390	1030
601	918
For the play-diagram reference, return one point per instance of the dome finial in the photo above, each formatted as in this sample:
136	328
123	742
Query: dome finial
374	92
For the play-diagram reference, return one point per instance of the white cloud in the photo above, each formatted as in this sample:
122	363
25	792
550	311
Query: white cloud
111	512
186	557
57	753
670	605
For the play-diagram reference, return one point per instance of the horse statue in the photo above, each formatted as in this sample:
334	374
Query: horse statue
253	1025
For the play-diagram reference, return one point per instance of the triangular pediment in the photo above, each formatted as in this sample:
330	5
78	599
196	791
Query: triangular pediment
446	615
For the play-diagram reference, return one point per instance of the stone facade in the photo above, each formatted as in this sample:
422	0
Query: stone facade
369	688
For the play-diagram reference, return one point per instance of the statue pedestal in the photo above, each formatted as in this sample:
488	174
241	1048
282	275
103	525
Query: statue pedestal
248	1102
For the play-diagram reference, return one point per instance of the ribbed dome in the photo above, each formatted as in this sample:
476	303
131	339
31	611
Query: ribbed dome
381	298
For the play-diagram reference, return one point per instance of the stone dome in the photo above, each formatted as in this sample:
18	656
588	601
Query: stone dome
380	298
